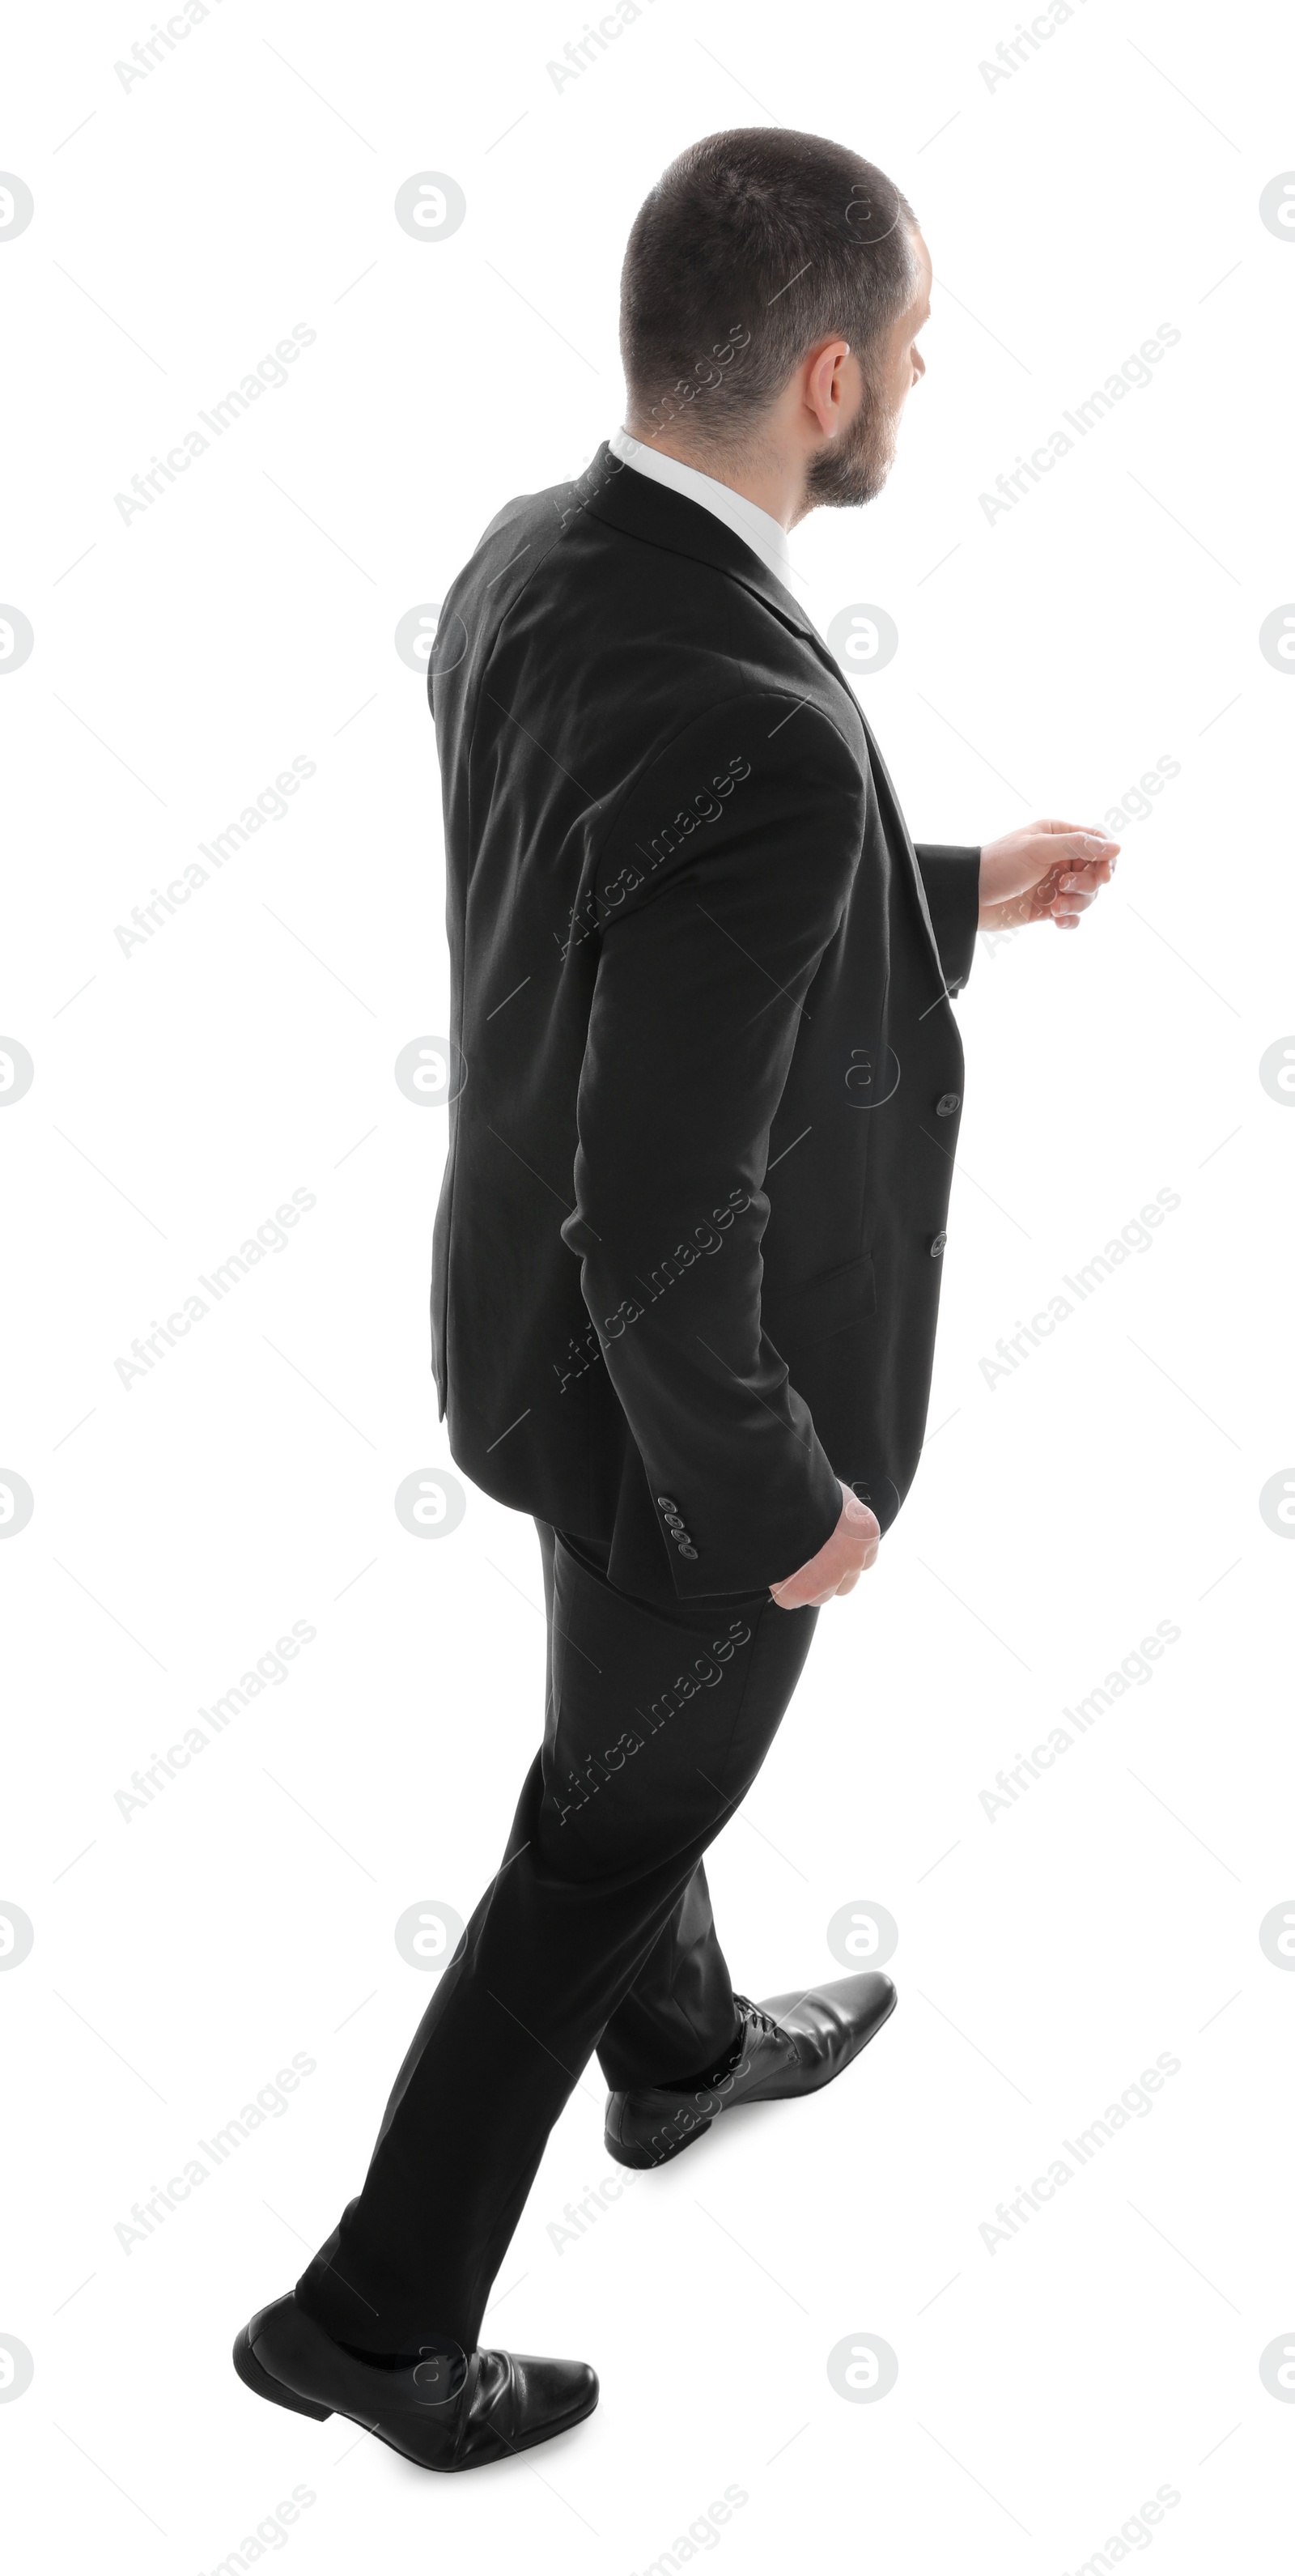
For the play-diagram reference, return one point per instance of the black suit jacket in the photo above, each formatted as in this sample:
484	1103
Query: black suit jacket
687	1254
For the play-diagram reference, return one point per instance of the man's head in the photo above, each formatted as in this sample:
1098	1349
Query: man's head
772	288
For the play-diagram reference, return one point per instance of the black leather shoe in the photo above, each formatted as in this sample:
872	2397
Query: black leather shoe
789	2045
442	2411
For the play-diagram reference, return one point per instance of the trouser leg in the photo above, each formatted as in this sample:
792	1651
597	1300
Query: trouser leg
679	2015
678	2018
656	1725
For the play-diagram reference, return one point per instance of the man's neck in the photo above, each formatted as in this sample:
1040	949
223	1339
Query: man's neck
773	483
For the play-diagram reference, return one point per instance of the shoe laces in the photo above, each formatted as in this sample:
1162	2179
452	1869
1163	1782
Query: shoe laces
764	2022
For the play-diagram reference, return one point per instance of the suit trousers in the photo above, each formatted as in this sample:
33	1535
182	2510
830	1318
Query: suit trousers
596	1933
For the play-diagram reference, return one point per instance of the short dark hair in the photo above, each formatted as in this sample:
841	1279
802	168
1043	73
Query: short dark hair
751	247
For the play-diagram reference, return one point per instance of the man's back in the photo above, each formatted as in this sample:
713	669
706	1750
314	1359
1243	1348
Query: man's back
646	751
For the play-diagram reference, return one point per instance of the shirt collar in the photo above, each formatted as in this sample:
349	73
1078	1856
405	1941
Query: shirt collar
754	526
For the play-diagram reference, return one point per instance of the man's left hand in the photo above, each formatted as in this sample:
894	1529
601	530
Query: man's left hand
1043	872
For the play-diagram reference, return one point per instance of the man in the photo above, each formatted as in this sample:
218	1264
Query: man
687	1255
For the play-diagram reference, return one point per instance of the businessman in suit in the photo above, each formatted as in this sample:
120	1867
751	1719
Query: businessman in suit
688	1251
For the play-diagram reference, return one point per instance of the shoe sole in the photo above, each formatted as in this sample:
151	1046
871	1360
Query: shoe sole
642	2162
262	2382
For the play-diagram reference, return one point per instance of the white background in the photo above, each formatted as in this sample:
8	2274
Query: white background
1111	2346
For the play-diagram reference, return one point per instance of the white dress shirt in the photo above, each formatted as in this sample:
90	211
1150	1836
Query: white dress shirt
754	526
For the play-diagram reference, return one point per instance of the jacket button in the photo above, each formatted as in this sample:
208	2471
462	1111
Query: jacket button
666	1504
687	1551
937	1244
946	1104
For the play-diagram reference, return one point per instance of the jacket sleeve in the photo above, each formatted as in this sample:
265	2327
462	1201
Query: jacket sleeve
951	878
719	889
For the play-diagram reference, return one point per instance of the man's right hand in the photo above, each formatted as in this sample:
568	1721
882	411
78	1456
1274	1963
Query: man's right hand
847	1554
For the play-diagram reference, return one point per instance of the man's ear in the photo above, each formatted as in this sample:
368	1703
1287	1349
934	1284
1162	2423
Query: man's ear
824	386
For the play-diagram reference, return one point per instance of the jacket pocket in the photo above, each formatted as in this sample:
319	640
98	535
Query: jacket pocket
834	1302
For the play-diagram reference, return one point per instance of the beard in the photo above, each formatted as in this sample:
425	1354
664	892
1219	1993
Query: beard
853	469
